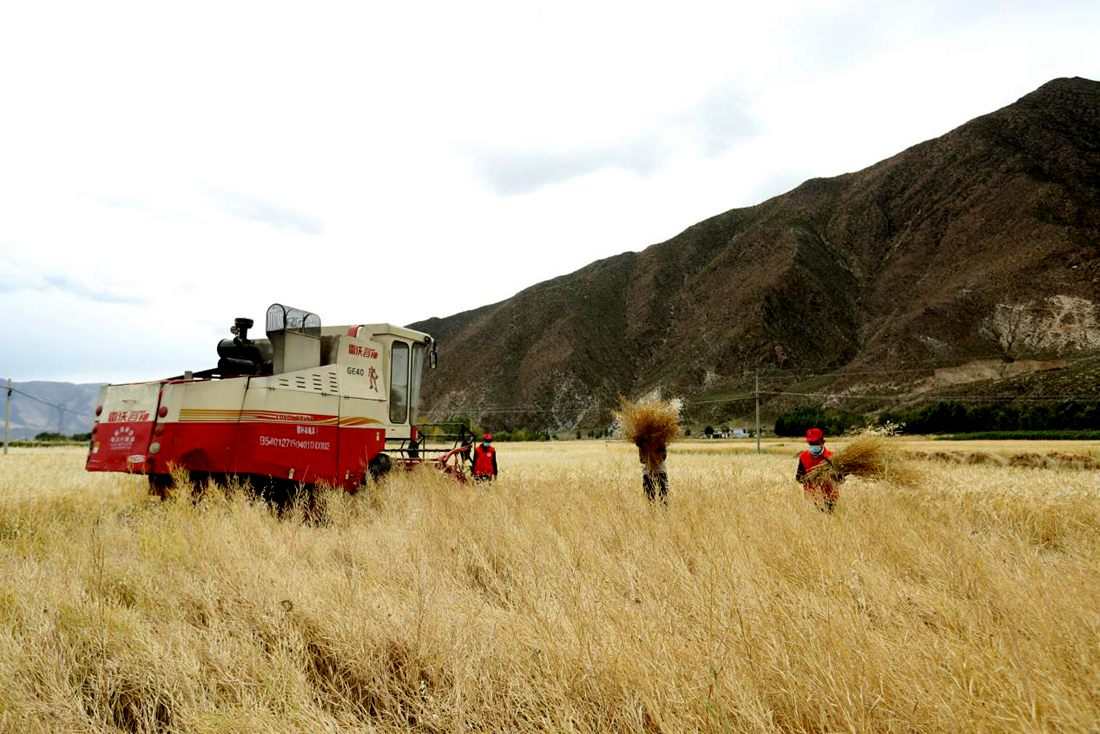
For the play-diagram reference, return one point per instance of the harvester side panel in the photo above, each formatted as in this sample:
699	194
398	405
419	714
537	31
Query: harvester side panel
362	437
289	426
200	427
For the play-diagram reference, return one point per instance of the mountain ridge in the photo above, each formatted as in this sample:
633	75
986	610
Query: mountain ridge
904	262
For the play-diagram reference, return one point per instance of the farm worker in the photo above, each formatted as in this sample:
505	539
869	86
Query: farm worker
822	491
466	440
654	473
485	460
465	448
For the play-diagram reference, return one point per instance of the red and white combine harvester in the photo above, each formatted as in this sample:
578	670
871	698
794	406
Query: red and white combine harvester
308	405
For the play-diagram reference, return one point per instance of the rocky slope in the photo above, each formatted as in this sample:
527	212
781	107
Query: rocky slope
984	242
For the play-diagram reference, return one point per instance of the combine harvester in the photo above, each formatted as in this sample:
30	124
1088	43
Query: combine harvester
307	405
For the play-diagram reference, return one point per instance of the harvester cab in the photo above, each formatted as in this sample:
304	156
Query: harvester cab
308	404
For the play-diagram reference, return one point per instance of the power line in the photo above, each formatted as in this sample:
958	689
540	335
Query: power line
930	368
63	408
788	375
33	397
729	399
819	395
735	397
519	409
959	398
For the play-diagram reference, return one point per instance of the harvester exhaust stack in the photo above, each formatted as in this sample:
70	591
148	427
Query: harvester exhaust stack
240	355
240	328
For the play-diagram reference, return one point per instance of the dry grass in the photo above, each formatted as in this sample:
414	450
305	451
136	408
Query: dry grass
555	600
651	425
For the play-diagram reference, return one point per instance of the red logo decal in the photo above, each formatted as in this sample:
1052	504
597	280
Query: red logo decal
356	350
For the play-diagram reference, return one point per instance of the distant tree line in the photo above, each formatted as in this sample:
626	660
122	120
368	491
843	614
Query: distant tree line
952	417
51	437
833	422
471	427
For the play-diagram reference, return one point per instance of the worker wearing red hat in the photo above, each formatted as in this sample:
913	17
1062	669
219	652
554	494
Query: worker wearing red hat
823	491
485	460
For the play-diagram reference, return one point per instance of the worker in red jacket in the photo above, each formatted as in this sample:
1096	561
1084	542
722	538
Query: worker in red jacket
485	460
823	492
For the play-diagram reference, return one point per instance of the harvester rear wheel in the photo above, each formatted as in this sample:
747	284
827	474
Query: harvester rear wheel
379	467
200	481
161	485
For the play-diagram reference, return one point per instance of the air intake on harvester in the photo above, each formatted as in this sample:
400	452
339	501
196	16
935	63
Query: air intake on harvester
295	337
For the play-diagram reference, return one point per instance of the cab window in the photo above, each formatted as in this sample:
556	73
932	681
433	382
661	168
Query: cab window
399	383
418	352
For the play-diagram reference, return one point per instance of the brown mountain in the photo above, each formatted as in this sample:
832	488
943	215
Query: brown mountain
984	242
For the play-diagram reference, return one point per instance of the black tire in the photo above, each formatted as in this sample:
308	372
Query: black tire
161	486
379	467
278	493
294	499
200	481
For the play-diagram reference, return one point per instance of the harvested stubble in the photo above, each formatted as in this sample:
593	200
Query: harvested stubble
1027	460
1053	460
1072	461
651	425
868	457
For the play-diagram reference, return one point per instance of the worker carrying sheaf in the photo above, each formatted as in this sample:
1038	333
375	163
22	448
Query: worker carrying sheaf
654	473
485	460
821	489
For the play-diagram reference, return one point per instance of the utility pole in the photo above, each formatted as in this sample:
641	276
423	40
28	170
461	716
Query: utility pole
756	392
7	418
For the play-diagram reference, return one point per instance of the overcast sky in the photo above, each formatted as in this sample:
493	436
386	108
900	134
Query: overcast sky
165	167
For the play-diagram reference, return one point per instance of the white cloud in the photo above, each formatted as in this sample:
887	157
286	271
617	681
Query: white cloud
164	169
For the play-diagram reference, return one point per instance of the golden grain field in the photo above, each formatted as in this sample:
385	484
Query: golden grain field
556	600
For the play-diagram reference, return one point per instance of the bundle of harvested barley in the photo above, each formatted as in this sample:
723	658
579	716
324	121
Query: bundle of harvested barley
866	457
650	425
